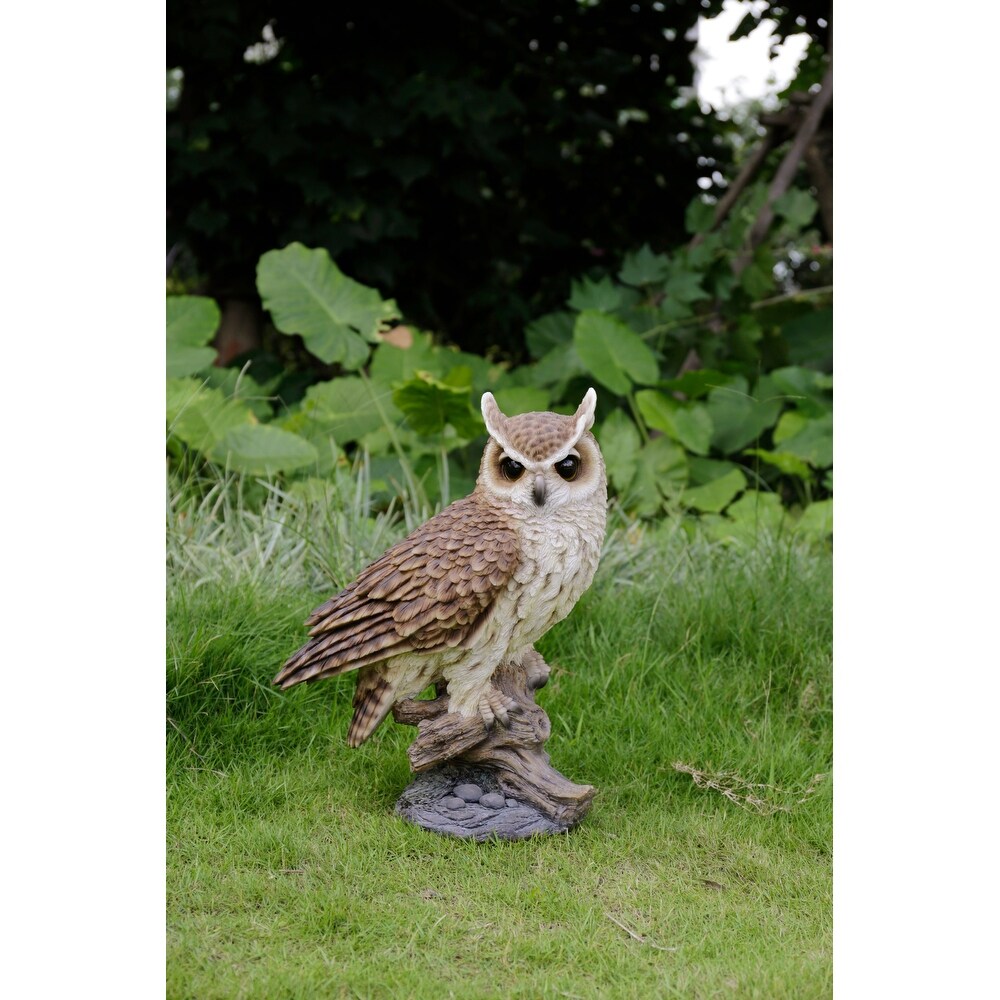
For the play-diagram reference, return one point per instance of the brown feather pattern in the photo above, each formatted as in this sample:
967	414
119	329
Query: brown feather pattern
539	436
428	592
373	698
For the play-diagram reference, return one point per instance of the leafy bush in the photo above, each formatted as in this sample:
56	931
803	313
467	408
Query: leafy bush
716	394
471	161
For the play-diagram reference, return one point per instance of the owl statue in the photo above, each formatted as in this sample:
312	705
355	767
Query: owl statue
476	585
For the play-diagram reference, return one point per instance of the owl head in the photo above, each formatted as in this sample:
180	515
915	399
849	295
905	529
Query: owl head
541	461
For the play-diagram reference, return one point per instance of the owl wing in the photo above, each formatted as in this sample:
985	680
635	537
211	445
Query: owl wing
431	591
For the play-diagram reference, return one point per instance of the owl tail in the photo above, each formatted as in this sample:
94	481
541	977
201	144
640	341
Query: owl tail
373	698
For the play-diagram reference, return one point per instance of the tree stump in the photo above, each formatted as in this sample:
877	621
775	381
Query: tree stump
496	782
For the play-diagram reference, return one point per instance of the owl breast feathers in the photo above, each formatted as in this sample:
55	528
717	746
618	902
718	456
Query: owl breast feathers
477	584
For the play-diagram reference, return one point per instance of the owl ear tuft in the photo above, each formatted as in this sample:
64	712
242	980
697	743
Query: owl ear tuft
584	415
493	417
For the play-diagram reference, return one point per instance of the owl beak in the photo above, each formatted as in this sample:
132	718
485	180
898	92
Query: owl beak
539	491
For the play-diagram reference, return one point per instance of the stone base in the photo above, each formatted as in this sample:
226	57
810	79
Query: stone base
462	800
517	793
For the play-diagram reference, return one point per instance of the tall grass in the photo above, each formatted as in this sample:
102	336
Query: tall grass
318	533
289	875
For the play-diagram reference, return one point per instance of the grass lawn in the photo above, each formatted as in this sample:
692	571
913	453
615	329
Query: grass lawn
289	875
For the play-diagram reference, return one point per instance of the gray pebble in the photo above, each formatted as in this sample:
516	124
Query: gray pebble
492	801
470	793
512	802
430	802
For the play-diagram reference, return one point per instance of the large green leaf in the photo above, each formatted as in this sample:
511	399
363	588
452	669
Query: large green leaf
643	267
707	470
306	293
758	509
191	319
700	256
551	330
693	427
181	392
671	310
191	323
259	449
697	383
429	404
554	371
714	496
816	520
813	443
747	333
745	520
809	389
738	417
791	422
810	338
722	281
699	216
238	383
796	207
615	355
396	364
688	423
522	399
620	442
184	360
661	473
328	451
783	461
464	368
757	280
201	416
348	407
640	318
603	295
685	286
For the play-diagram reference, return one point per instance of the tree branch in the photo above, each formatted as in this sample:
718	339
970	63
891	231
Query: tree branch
786	171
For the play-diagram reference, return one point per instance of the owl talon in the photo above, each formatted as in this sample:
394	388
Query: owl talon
494	706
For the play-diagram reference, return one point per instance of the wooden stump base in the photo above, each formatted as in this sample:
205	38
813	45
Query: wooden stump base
478	782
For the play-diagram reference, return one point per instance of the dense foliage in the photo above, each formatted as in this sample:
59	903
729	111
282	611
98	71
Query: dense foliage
497	193
745	425
473	161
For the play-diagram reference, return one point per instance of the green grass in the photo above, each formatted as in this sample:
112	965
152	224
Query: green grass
289	875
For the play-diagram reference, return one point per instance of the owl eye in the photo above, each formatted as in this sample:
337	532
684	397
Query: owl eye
511	470
568	467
